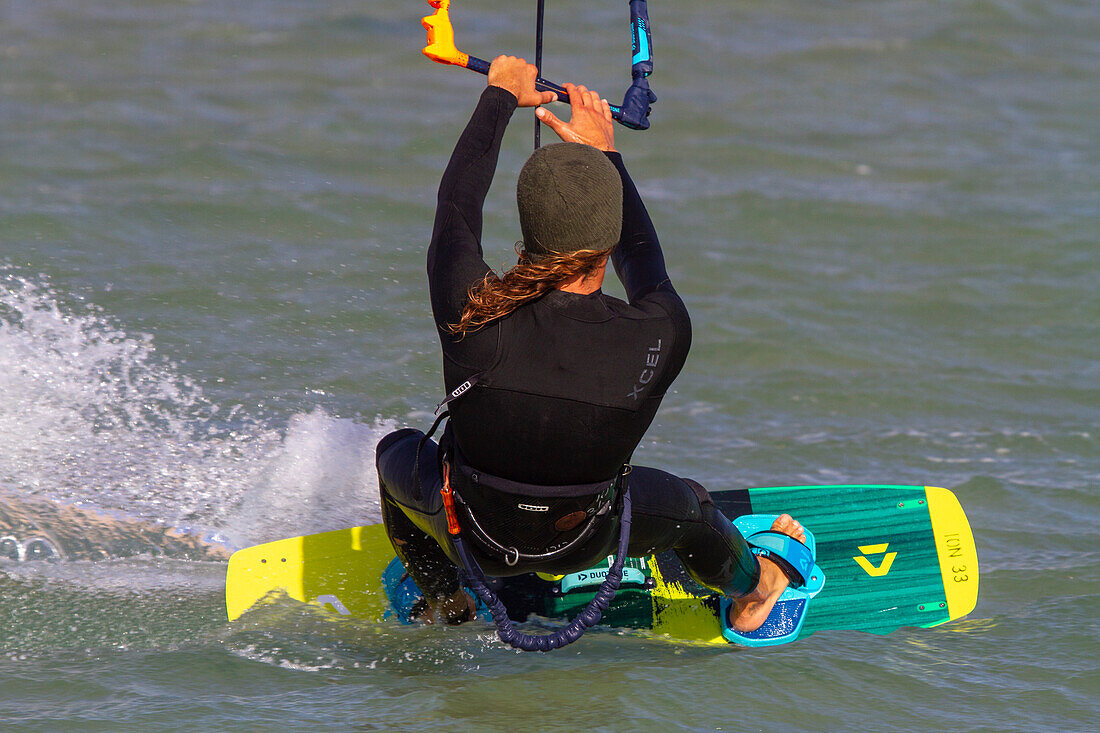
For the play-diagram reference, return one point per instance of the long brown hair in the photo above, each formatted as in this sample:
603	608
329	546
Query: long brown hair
495	296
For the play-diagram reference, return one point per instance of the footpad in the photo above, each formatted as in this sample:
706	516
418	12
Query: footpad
785	621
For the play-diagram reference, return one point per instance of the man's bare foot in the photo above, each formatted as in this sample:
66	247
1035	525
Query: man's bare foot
749	612
458	609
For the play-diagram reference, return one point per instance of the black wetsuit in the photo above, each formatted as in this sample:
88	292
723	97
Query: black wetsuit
564	389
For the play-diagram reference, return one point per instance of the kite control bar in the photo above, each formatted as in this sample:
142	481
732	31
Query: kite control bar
636	103
634	111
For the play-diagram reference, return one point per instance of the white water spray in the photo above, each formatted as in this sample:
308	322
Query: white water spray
92	415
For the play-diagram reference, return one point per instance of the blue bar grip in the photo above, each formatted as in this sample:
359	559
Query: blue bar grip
632	113
481	66
641	39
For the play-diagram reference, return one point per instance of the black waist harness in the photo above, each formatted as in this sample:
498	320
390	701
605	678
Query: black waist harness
527	522
497	497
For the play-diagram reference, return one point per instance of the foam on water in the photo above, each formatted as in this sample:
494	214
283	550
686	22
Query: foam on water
93	415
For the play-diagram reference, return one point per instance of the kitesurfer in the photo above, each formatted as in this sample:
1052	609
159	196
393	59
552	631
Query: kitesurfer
553	383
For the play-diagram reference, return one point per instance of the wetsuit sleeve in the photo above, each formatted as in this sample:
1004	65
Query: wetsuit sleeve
640	265
455	260
638	259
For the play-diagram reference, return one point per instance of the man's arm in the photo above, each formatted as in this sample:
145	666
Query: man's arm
638	259
454	255
455	260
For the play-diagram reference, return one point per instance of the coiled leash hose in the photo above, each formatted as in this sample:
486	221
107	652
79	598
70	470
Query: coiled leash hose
589	617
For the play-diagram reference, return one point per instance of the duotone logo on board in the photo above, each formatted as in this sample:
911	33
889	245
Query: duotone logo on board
884	562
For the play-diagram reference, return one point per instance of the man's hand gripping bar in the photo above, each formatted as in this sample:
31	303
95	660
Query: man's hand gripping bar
635	108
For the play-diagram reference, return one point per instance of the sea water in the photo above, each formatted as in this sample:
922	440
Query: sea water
883	216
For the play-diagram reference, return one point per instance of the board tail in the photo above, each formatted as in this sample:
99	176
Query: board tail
957	551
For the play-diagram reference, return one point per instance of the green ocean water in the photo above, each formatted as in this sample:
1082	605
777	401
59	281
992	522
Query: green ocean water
883	216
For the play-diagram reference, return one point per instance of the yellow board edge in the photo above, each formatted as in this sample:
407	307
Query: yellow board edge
256	571
958	553
339	570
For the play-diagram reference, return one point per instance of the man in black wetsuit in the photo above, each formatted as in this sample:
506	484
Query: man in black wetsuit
552	382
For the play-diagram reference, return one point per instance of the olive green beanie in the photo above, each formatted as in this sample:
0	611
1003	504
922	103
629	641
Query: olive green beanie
570	198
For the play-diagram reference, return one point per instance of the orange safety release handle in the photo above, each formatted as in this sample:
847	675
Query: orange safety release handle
449	501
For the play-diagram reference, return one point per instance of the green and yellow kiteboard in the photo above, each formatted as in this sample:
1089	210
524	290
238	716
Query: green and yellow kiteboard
887	557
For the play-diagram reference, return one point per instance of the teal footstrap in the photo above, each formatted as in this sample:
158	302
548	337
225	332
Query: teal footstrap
797	560
793	557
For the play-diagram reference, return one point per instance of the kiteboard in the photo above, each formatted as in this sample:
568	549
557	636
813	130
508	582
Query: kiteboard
887	557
